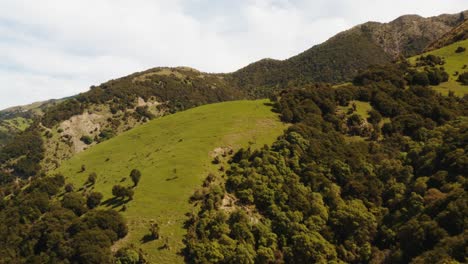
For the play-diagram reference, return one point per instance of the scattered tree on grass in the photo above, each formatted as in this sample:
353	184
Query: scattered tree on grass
460	50
69	187
91	178
135	175
463	78
154	230
121	192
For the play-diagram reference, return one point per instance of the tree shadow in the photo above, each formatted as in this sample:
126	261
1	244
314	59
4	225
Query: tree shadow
114	202
147	238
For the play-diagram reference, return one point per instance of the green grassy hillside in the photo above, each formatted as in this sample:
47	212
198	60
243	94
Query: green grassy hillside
454	62
174	154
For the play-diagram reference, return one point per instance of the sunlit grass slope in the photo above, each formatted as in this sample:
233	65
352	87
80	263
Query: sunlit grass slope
454	62
173	154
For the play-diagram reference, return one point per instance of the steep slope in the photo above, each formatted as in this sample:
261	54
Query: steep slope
174	155
343	55
455	64
121	104
457	34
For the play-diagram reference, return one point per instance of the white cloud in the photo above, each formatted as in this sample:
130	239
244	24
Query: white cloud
56	48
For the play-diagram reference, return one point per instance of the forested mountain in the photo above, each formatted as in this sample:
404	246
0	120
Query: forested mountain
372	170
342	56
343	185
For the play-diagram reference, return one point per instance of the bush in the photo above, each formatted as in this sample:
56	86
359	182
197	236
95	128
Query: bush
460	50
135	175
91	178
463	78
421	78
87	140
94	199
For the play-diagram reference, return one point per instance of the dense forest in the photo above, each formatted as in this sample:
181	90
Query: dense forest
43	222
397	195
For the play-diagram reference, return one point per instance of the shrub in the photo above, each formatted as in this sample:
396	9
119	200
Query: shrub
91	178
463	78
460	50
87	140
135	175
94	199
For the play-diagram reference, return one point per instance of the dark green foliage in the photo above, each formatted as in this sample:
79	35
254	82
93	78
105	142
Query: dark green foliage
75	202
93	200
87	140
122	192
336	60
430	60
92	177
24	153
135	175
463	78
129	256
154	230
142	111
421	78
38	228
312	197
460	50
69	187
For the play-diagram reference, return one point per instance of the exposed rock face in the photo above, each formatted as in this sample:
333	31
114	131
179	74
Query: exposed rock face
458	33
410	34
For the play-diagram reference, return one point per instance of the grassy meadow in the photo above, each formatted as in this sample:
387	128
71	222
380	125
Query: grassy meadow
174	155
454	62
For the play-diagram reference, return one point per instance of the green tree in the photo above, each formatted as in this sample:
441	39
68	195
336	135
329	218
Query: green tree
94	199
135	175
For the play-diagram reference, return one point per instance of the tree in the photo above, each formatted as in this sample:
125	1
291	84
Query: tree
421	78
74	202
87	140
460	49
91	178
154	230
120	191
463	78
69	187
135	175
94	199
374	117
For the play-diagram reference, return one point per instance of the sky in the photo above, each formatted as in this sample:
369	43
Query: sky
58	48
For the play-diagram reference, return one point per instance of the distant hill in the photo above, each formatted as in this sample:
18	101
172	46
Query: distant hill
16	119
456	34
342	56
118	105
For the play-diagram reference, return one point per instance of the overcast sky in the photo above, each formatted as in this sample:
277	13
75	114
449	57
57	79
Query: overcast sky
57	48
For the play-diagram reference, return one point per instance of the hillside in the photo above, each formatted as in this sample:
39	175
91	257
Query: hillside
174	155
342	56
455	63
14	120
126	102
456	34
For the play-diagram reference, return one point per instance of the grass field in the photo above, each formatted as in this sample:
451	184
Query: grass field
173	154
362	108
453	62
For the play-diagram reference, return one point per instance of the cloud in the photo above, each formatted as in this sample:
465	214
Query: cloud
56	48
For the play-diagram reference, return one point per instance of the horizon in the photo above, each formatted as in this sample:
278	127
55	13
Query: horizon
51	54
